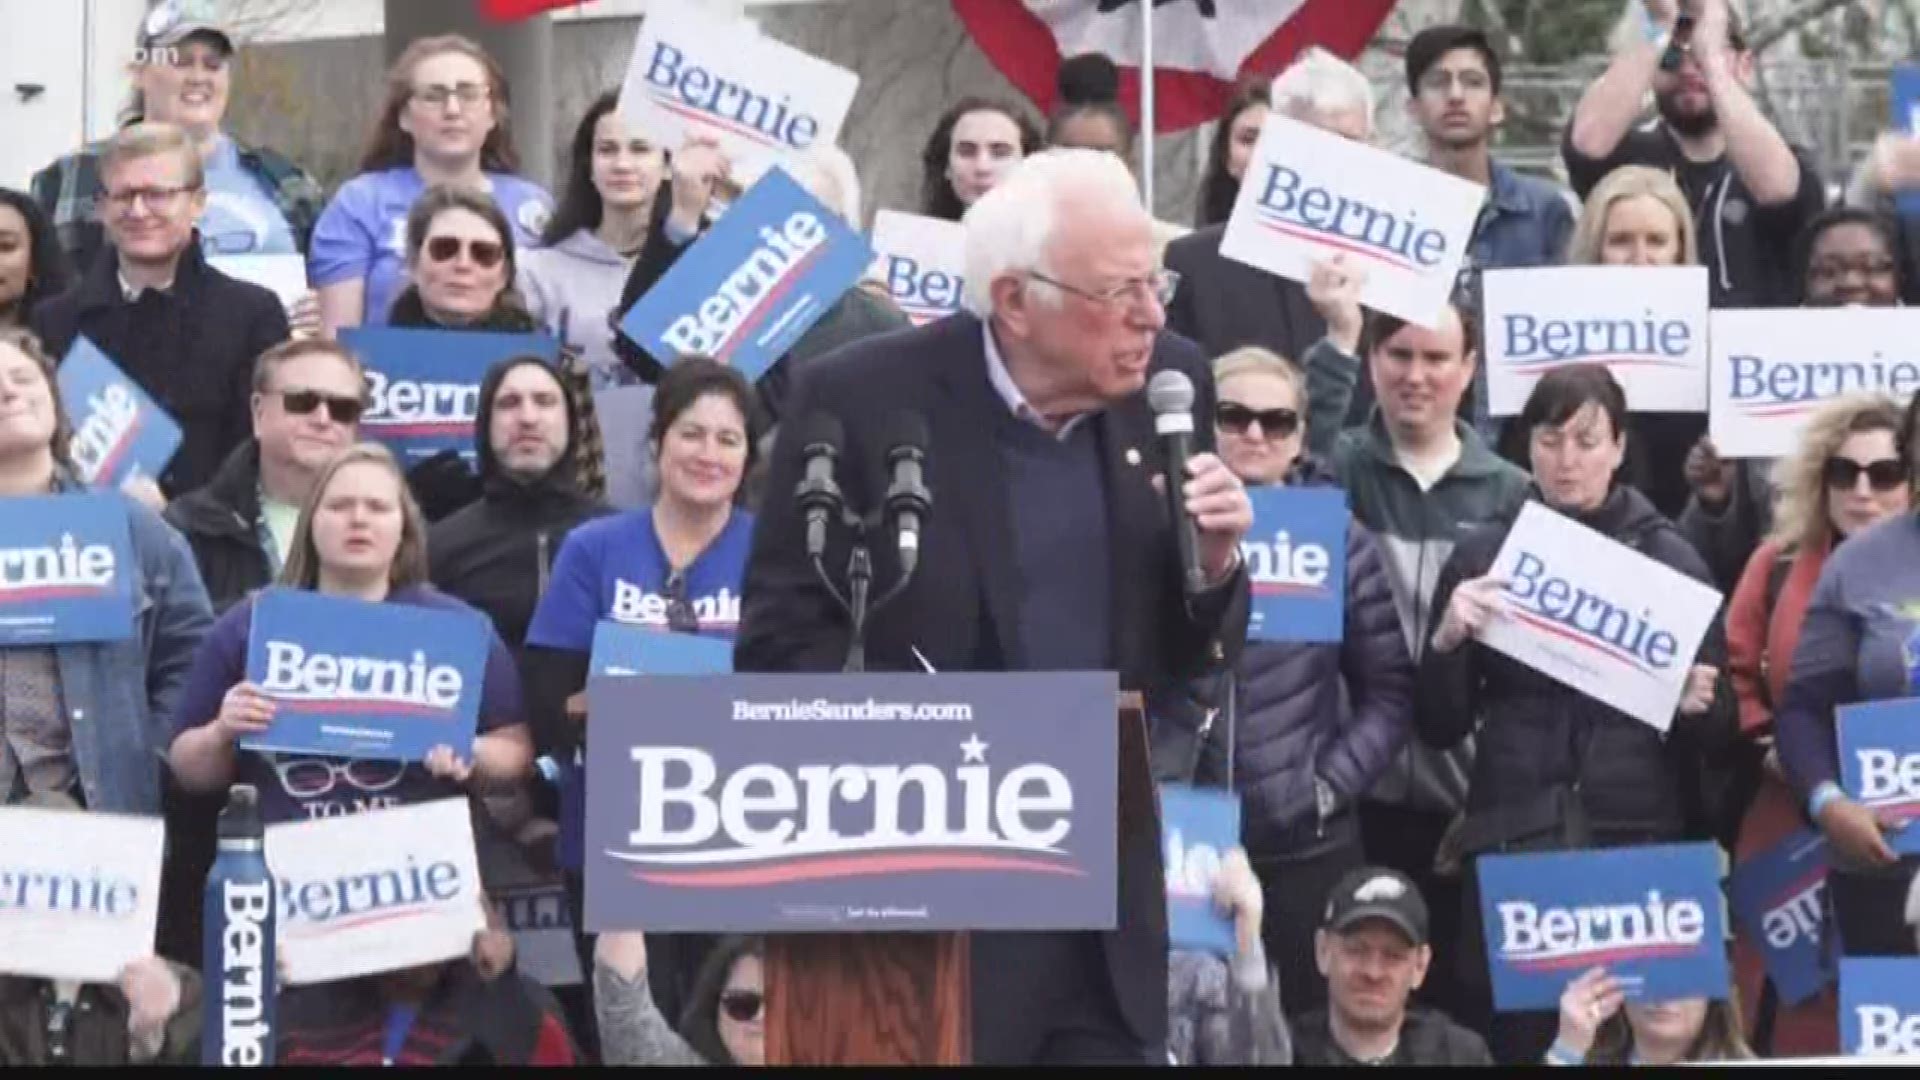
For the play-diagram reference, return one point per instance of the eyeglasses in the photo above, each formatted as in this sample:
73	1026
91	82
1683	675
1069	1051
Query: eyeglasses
341	410
465	93
681	618
160	199
1159	285
743	1006
1827	270
1842	474
1235	418
486	254
310	778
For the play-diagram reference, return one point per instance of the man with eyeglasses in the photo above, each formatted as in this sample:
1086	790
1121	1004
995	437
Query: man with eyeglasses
1050	547
1751	191
1454	78
186	333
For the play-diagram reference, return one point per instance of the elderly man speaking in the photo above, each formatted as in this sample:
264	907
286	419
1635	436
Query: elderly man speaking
1051	547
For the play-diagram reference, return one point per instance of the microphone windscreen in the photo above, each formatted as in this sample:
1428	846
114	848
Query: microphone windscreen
1170	391
906	428
822	429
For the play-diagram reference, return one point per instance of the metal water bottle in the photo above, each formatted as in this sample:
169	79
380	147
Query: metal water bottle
237	954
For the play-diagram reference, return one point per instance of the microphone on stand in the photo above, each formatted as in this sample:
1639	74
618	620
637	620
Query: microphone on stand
908	500
818	494
1170	395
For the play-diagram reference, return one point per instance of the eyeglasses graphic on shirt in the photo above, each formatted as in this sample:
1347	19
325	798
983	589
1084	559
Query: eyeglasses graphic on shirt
681	618
310	778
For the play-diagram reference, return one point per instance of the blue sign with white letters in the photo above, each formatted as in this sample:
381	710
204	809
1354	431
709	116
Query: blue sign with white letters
356	679
1777	899
66	569
118	431
624	649
1880	763
423	386
1296	555
1652	916
1880	1007
1198	826
747	290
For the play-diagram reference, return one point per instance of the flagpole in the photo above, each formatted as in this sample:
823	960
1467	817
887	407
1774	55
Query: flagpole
1146	103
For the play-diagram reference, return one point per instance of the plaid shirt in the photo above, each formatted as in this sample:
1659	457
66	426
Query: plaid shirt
69	188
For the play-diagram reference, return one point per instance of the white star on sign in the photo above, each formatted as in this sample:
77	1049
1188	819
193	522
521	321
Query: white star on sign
973	750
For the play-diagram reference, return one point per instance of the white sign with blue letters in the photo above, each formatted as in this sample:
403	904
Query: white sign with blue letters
923	261
1648	325
1773	368
81	892
1597	615
1309	194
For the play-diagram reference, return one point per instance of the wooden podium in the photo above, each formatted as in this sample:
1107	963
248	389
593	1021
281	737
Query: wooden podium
902	998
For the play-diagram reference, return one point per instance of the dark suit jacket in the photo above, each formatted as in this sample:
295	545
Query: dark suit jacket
1224	304
960	611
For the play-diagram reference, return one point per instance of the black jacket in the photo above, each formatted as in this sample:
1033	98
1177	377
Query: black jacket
1223	304
495	552
1340	712
1427	1037
1537	734
191	348
96	1031
221	522
960	611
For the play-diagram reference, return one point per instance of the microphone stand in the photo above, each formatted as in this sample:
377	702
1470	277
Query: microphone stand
856	600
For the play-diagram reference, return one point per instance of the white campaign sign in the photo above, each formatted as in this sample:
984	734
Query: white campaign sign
79	892
1648	325
1309	194
693	71
349	907
285	276
1598	615
1773	368
923	261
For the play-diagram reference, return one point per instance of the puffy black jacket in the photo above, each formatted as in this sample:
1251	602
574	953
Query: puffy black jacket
1304	709
221	522
1536	734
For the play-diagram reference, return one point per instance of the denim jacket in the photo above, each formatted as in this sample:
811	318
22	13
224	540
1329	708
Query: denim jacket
1525	222
119	694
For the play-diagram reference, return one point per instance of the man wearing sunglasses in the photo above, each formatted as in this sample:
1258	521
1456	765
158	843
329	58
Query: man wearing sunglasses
186	333
306	404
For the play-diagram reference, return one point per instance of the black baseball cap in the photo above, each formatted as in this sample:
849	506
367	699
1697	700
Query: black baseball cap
1375	893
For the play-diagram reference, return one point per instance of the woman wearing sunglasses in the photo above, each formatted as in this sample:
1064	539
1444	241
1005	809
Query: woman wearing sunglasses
675	567
1846	475
724	1021
1859	641
445	121
1312	725
359	535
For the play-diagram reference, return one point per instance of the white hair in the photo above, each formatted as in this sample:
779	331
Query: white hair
1010	227
829	175
1320	82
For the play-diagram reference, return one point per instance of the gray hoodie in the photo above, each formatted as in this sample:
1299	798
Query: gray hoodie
572	288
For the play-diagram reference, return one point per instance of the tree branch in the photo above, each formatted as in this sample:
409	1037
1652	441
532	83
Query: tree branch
1764	35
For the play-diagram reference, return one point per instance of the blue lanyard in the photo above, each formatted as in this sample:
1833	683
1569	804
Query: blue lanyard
399	1022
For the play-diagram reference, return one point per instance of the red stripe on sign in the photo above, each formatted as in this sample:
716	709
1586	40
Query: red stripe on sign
850	866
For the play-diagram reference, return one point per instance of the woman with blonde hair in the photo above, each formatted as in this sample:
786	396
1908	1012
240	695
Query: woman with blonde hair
360	536
1845	475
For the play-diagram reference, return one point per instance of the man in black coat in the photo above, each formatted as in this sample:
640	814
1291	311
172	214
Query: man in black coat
185	332
1050	549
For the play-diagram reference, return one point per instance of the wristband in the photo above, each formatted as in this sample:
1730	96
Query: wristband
1825	792
1561	1054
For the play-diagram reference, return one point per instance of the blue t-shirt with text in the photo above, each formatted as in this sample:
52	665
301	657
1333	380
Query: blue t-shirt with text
363	231
241	217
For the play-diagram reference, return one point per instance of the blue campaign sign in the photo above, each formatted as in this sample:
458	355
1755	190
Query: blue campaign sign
1198	827
1903	99
881	802
118	431
423	386
66	569
1296	555
356	679
1652	916
624	649
1777	899
747	290
1880	763
1880	1007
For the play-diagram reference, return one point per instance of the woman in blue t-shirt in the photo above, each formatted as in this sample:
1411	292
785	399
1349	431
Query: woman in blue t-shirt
360	535
445	122
676	567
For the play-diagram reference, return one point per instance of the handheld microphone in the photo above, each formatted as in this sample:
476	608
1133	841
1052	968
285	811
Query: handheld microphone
1170	395
818	494
908	500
